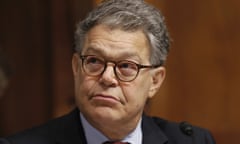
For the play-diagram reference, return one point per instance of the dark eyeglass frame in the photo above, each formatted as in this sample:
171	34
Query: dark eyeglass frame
139	67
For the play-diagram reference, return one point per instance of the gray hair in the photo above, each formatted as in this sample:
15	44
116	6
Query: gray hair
129	15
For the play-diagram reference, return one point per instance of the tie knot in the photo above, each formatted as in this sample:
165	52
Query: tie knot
115	142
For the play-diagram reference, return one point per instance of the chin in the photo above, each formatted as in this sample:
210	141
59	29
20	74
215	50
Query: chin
105	113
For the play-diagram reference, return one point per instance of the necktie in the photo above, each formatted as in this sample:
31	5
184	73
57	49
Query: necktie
115	142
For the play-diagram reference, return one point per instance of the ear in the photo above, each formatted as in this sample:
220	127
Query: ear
75	64
158	76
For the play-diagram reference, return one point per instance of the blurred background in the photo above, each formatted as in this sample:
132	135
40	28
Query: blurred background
203	68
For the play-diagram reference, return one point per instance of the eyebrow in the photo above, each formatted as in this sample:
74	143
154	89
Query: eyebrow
92	49
123	56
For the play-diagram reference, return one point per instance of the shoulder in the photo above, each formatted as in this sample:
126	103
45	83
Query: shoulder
182	131
46	133
3	141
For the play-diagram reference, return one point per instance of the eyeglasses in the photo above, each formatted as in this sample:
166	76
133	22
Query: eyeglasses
124	70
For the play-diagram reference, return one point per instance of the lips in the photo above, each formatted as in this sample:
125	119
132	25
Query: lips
107	98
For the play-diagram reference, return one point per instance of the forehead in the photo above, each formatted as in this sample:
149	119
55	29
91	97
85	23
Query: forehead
116	42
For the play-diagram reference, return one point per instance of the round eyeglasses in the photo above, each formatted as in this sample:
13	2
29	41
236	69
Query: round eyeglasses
124	70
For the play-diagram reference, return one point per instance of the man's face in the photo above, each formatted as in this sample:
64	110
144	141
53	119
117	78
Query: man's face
104	98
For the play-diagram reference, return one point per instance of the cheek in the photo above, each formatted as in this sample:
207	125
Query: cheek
143	86
83	86
136	92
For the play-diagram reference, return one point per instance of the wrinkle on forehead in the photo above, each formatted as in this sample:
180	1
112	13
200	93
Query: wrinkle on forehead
115	42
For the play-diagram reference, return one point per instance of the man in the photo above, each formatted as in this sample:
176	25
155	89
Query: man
118	65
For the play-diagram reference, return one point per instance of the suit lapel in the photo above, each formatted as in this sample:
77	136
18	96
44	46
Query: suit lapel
152	133
71	131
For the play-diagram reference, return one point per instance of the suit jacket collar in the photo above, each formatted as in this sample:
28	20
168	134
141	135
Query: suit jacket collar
152	134
72	132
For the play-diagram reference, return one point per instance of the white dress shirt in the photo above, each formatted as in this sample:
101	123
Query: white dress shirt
93	136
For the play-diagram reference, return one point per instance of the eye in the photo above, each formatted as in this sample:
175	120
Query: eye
93	64
92	60
127	68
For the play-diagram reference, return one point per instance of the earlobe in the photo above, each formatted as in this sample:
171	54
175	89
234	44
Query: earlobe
75	65
158	77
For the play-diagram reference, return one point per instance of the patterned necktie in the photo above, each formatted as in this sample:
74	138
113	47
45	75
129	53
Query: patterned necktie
115	142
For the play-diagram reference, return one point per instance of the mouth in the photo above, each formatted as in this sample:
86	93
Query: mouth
105	98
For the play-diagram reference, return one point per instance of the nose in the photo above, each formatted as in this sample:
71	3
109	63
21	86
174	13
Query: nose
108	77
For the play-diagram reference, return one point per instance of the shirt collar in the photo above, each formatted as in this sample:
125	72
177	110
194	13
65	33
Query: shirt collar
93	136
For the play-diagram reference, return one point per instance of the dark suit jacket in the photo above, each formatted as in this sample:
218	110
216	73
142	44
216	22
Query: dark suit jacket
68	130
3	141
